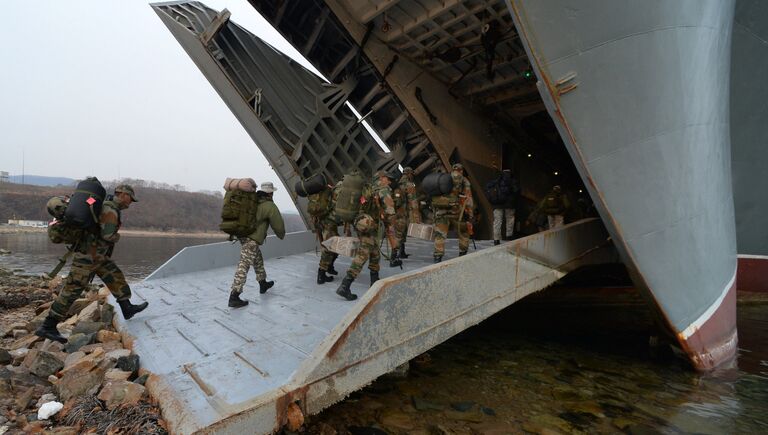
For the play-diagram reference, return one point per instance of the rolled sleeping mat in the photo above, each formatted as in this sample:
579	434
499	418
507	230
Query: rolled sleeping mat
242	184
85	204
310	186
437	183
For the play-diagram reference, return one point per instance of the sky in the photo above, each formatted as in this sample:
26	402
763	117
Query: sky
101	87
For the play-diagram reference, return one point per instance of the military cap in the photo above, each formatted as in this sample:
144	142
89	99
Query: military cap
382	173
407	170
457	167
126	188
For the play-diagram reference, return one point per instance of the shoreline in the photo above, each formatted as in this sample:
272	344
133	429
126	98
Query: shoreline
7	229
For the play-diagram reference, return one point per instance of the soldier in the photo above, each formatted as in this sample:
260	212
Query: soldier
326	225
408	207
554	205
501	193
453	210
267	215
375	206
92	256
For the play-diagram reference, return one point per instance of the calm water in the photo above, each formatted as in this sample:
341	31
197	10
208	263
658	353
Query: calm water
508	376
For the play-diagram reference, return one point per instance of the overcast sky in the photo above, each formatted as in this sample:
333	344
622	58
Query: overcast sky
101	87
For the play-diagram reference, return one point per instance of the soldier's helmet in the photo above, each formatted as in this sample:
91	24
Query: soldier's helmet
126	188
57	206
407	170
382	173
457	167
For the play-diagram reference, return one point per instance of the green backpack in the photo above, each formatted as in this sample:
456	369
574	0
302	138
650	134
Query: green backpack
238	214
348	199
320	203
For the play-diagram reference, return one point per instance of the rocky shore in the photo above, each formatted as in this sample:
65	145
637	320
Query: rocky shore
90	385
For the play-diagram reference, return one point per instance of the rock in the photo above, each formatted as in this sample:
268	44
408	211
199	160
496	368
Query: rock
5	252
87	327
5	357
128	363
18	333
116	393
117	353
90	312
63	430
53	379
425	405
27	342
107	313
471	416
30	358
43	307
23	400
488	411
45	364
396	420
141	380
78	306
295	417
35	323
49	409
72	358
84	377
76	341
117	375
18	355
462	406
104	336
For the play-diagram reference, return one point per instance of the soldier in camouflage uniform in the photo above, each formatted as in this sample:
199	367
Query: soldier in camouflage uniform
375	207
454	211
92	256
326	225
267	215
408	207
554	205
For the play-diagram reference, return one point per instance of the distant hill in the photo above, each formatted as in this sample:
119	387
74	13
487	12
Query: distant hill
39	180
159	209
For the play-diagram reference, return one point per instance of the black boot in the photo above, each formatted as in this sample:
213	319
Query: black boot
344	290
265	285
322	278
462	253
235	301
438	258
496	242
48	330
402	251
394	261
331	270
129	310
374	276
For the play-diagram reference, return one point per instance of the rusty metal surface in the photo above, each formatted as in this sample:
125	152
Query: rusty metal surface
221	370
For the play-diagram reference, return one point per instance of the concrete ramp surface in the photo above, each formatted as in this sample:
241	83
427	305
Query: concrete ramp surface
222	370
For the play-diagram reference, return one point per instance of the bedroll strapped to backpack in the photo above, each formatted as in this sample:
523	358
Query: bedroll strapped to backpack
238	214
84	206
348	199
310	186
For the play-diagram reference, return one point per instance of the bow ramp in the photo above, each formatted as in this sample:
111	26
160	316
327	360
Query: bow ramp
220	370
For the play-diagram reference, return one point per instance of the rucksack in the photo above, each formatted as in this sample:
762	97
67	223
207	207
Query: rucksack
319	203
238	213
60	232
85	204
348	199
493	192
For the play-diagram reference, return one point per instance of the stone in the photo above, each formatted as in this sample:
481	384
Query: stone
27	342
5	357
425	405
104	336
117	353
18	355
462	406
142	380
90	312
116	375
107	314
78	306
87	327
43	307
82	378
294	416
76	341
18	333
35	323
128	363
396	420
22	402
45	364
474	416
30	357
53	379
117	393
72	358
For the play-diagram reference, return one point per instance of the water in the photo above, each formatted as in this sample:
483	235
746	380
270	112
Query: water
513	374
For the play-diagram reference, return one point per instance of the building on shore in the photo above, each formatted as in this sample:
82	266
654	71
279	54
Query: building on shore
27	223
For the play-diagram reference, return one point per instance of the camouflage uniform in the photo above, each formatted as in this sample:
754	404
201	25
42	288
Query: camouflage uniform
367	225
328	227
411	197
453	218
554	205
401	215
250	255
92	257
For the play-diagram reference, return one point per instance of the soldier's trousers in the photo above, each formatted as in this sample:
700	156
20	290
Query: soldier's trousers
329	229
367	251
250	255
401	229
555	220
499	215
443	224
83	265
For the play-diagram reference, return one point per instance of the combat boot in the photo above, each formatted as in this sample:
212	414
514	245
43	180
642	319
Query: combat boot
344	290
265	285
374	276
322	278
438	258
402	251
331	270
235	301
462	253
496	242
48	330
129	310
394	261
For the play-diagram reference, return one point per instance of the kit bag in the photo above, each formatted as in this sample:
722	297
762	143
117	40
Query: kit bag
348	199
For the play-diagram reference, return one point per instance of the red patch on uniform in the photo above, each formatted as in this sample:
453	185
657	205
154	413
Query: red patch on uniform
90	201
362	200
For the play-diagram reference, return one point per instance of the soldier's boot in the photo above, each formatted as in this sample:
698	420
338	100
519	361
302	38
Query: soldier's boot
462	253
129	310
235	301
496	242
48	330
374	276
322	278
402	251
331	270
438	258
265	285
394	261
344	290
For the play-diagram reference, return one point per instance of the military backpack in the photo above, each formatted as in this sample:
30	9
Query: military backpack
238	214
319	204
58	230
348	199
